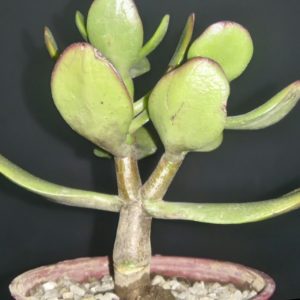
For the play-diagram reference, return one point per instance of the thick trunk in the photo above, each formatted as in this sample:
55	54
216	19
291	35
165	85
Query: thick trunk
132	252
132	249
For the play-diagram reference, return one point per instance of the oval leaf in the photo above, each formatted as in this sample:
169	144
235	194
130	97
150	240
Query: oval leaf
270	112
115	28
188	106
227	43
92	98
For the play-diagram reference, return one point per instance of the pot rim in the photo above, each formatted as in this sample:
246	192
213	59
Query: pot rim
196	269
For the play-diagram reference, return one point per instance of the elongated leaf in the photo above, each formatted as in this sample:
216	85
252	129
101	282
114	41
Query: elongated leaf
270	112
115	28
188	106
157	37
183	43
144	143
224	213
141	67
92	98
80	23
50	43
57	193
227	43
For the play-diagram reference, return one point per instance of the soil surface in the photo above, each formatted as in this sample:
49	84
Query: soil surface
162	288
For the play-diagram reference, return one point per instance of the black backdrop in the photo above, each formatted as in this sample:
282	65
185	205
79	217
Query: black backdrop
248	166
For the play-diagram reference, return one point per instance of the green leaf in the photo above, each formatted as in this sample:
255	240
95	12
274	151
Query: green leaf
157	37
50	43
141	67
183	43
139	121
224	213
270	112
188	106
144	143
102	153
57	193
227	43
92	98
115	28
80	23
141	104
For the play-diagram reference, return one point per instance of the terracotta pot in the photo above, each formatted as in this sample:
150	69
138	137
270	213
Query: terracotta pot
190	268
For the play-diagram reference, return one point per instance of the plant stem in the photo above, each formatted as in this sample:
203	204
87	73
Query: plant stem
163	175
132	249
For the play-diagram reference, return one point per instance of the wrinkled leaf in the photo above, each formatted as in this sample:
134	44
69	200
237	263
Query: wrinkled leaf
157	37
227	43
184	42
141	67
92	98
224	213
270	112
115	28
57	193
50	43
188	106
80	23
144	143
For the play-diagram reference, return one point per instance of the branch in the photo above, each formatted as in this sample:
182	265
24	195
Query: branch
161	178
57	193
224	213
270	112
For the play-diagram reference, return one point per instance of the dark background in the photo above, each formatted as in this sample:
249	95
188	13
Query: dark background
248	166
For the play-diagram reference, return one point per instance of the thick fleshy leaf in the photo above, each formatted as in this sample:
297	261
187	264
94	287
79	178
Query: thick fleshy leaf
50	43
157	37
57	193
102	153
188	106
144	143
115	28
184	42
80	24
224	213
141	67
92	98
270	112
227	43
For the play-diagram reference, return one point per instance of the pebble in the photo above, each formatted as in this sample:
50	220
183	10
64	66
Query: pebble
65	289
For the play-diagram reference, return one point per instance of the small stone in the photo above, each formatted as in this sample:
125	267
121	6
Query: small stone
158	280
110	296
88	297
67	295
50	285
77	291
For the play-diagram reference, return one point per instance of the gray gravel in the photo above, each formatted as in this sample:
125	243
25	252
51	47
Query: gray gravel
65	289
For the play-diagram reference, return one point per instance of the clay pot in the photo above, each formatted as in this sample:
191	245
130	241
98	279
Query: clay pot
189	268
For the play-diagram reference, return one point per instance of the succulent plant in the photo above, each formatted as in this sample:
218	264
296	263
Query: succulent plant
93	90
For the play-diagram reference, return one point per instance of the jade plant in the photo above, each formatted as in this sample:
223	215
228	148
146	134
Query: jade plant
93	89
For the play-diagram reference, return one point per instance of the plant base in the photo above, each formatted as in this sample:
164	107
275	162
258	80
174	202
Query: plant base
190	268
